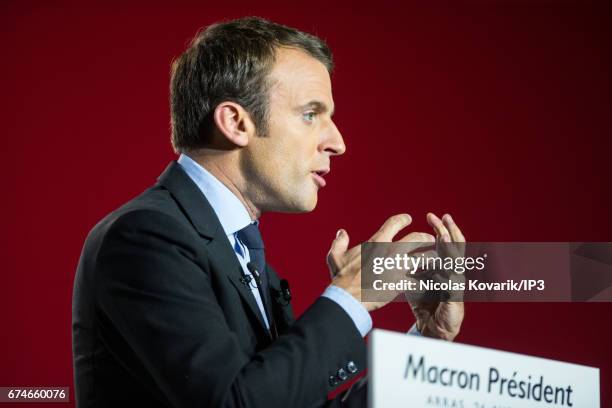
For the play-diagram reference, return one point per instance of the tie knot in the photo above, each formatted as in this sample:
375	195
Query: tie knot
251	237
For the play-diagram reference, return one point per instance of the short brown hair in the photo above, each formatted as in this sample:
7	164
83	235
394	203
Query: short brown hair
230	61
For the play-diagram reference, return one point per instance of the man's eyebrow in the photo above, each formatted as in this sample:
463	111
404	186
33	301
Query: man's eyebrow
319	106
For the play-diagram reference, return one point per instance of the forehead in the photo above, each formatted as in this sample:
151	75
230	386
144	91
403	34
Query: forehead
299	78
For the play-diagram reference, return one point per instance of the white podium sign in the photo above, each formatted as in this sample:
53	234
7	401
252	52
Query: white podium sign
411	371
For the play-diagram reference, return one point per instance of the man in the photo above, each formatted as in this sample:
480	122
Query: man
174	304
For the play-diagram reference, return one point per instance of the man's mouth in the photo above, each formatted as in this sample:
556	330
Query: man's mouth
317	175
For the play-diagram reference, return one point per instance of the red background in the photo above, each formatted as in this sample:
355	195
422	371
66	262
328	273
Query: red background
498	114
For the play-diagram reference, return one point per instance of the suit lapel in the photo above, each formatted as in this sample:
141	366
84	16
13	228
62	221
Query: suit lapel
202	216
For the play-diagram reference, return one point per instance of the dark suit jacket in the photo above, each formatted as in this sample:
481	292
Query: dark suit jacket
160	317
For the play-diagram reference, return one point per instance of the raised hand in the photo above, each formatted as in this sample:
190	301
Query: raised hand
442	319
345	264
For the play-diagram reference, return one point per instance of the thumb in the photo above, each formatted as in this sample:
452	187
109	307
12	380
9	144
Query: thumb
338	247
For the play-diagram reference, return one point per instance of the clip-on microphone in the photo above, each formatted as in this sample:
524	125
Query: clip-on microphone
285	293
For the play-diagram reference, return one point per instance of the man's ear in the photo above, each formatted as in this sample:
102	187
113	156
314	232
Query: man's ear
234	123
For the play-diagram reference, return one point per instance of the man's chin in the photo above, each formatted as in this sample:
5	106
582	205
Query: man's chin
309	205
299	206
302	209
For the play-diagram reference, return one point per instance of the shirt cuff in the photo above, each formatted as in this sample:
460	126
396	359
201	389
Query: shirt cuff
356	311
414	331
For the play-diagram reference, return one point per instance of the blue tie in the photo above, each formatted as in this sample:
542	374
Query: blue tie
251	238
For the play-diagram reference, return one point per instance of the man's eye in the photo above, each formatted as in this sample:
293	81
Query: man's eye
309	116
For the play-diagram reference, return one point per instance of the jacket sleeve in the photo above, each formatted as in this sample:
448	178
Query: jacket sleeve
156	293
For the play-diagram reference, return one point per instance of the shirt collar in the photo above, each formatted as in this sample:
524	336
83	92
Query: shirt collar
232	214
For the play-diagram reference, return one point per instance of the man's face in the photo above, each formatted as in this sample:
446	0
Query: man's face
285	168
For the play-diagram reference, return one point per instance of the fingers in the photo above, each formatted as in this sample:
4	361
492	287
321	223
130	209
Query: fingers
338	248
447	226
454	230
418	237
391	227
416	240
438	226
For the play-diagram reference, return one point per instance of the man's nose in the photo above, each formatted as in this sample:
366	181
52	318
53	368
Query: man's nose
333	142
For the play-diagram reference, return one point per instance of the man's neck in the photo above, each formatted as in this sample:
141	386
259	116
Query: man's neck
216	164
